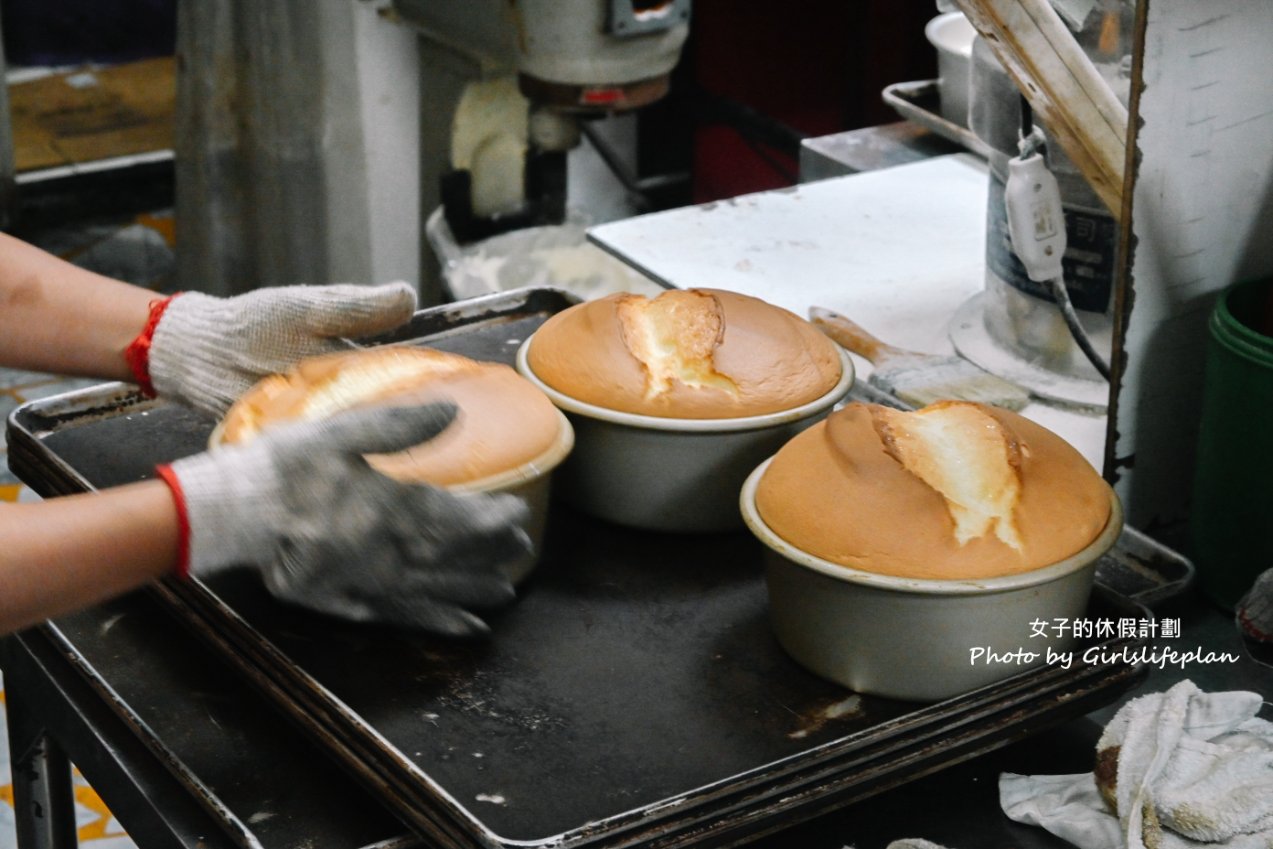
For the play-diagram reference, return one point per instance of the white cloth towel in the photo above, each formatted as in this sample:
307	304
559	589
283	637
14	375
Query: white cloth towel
1194	769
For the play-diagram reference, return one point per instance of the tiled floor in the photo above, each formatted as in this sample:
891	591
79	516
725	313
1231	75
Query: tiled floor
139	251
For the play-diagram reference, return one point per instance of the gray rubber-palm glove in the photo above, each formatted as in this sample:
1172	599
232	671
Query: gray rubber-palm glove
328	532
206	351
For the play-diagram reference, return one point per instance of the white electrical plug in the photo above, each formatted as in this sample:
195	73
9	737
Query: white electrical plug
1036	221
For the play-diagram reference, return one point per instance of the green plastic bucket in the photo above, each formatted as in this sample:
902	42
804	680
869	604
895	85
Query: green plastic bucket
1231	514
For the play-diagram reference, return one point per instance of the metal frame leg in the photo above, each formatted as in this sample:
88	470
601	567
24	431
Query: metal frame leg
43	798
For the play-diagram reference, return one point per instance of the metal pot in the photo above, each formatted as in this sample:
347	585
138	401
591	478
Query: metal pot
951	35
667	474
920	640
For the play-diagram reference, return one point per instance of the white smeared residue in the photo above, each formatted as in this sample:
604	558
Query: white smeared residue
851	706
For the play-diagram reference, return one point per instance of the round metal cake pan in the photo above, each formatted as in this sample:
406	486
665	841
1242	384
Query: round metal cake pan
531	482
669	474
920	639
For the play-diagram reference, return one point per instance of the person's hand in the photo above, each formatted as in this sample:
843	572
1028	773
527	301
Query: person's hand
206	351
329	533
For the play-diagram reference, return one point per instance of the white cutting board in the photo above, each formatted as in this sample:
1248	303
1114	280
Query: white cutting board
896	249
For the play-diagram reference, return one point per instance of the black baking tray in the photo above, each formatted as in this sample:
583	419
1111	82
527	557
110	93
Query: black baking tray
633	696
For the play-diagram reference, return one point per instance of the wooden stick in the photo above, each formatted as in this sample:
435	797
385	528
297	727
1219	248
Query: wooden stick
1063	87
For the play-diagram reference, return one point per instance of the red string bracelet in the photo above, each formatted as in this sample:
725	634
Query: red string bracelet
138	351
165	474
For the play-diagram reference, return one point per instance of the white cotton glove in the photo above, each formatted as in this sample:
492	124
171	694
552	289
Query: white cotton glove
328	532
207	351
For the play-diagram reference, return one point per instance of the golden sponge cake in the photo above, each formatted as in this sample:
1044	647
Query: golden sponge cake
692	353
955	490
502	423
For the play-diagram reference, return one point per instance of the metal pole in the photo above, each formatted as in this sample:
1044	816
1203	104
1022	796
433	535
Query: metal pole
43	797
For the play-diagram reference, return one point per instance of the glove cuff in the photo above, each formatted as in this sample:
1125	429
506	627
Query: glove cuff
182	567
189	357
137	354
225	497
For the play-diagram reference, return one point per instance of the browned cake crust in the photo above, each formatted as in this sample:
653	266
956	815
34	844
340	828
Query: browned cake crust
503	420
693	353
954	491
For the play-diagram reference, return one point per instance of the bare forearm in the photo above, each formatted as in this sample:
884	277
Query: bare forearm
68	553
59	318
